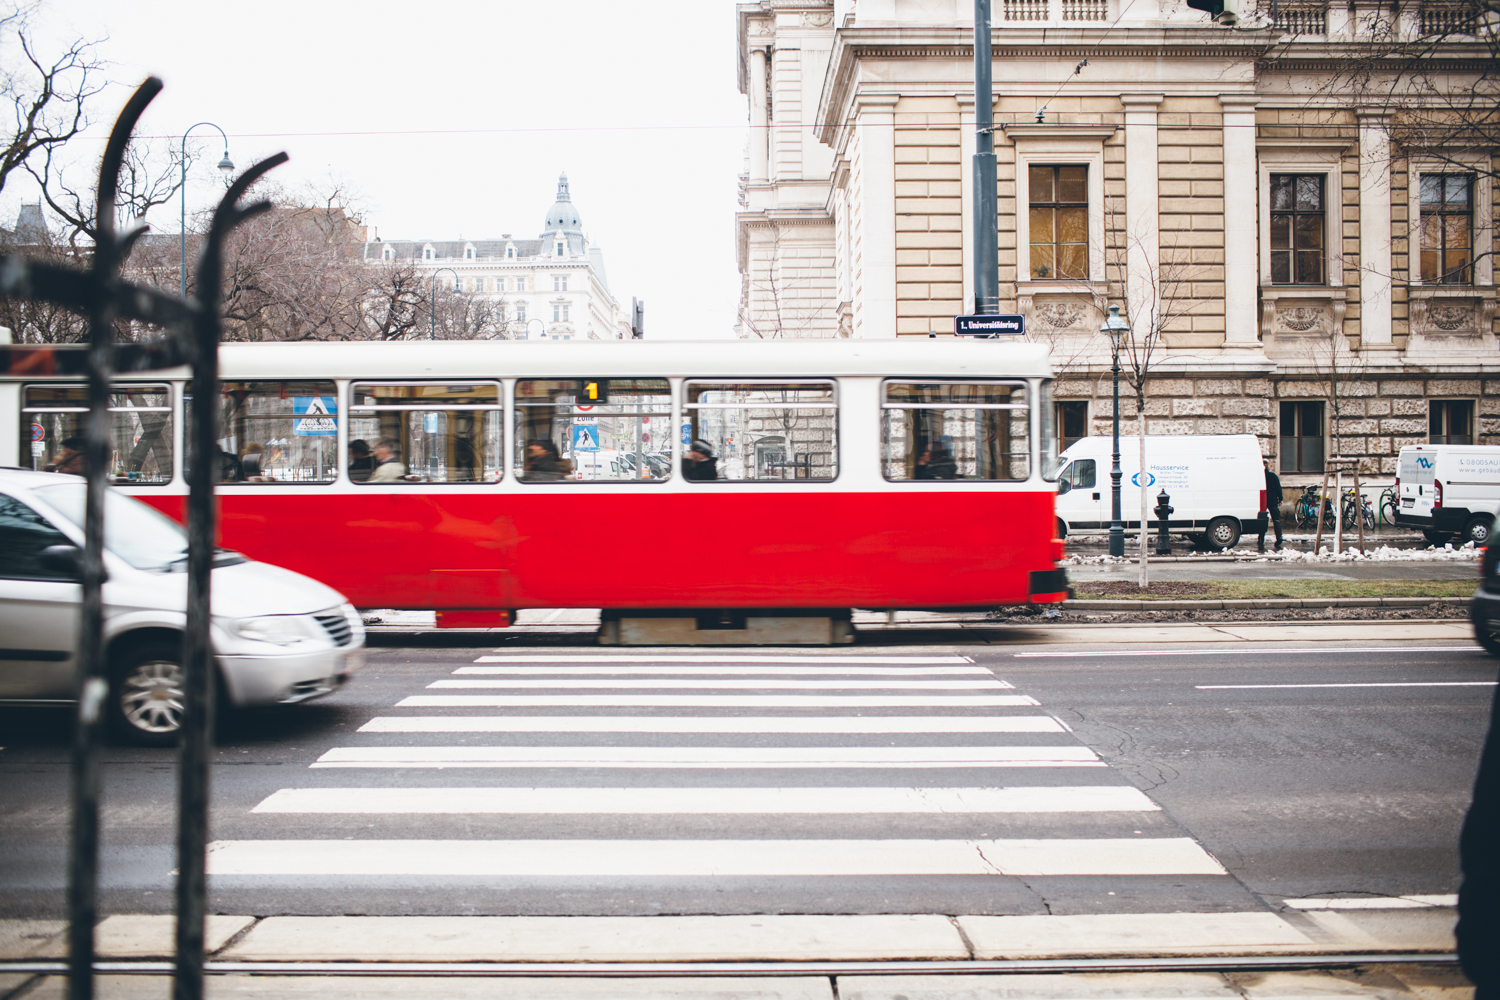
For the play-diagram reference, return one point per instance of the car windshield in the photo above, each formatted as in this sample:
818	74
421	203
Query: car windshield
133	531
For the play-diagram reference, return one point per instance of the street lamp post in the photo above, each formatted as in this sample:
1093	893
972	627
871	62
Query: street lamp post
432	301
535	319
1115	328
226	166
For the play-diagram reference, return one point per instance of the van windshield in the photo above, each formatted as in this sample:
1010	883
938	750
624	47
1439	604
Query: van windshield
133	531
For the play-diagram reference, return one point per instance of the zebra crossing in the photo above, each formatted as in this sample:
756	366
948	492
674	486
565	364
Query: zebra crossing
634	768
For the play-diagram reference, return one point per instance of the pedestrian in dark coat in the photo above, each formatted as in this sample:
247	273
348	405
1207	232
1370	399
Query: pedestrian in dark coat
1273	509
1478	928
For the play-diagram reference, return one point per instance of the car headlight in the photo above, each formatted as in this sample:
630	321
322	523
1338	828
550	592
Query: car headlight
283	630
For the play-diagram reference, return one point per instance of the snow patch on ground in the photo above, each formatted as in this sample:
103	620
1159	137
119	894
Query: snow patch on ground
1383	554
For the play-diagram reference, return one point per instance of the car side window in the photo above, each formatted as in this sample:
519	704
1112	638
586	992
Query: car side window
24	535
1083	474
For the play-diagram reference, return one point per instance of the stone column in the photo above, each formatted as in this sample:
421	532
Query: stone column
1374	230
875	309
760	140
1142	222
1241	232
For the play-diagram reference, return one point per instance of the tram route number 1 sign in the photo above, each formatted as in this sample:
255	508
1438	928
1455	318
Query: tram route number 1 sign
317	416
989	326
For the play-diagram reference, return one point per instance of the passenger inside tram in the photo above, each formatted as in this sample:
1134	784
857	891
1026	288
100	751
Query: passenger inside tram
699	463
361	462
388	465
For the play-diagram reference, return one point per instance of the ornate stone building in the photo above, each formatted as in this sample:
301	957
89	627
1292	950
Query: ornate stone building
1300	256
552	287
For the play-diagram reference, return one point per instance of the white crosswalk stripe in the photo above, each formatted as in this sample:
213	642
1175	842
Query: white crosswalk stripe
819	717
715	701
709	757
718	684
708	801
712	671
706	858
829	724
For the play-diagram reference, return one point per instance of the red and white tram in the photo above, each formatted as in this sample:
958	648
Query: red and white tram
481	478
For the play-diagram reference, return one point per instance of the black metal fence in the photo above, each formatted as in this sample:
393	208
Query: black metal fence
190	335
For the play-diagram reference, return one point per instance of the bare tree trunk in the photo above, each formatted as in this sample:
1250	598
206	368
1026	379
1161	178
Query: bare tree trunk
1142	478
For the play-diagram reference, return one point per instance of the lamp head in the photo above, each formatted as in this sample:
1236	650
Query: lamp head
1115	327
226	166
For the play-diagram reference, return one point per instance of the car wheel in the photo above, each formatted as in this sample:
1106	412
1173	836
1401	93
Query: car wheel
1062	528
1477	530
1223	533
1486	632
146	695
1436	537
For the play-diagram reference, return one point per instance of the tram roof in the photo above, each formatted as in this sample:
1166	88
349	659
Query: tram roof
932	358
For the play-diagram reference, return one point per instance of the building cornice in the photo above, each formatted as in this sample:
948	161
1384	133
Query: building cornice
853	45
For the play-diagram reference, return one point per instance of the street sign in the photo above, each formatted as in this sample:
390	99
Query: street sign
585	437
319	412
38	432
989	326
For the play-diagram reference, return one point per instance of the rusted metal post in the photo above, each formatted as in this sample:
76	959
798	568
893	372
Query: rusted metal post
93	673
197	652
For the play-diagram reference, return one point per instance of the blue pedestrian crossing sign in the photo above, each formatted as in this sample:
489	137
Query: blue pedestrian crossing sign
585	437
319	413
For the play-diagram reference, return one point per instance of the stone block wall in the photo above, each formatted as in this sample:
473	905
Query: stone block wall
929	216
1190	205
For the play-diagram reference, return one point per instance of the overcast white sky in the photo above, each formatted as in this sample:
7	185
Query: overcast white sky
453	119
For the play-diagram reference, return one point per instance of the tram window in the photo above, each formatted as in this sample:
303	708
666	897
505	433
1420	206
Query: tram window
762	431
428	432
140	418
277	432
625	437
956	430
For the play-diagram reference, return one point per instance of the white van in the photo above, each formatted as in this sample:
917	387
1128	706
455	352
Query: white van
279	637
1216	482
1448	490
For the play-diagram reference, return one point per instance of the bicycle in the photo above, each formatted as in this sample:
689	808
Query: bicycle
1305	509
1356	505
1390	501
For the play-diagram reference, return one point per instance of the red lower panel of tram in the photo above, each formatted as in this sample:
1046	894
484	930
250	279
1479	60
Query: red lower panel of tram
664	550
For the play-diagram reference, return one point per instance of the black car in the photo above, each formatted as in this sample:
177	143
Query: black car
1485	610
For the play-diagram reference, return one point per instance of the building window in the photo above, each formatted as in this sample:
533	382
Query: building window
1447	229
1059	222
520	312
558	249
1297	230
1301	437
559	282
468	253
1450	421
520	284
427	254
510	253
387	253
559	314
1072	422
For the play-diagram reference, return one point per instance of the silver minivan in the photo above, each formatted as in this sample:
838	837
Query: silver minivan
279	637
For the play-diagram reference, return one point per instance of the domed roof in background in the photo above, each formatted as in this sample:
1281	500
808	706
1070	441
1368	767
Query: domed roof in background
562	217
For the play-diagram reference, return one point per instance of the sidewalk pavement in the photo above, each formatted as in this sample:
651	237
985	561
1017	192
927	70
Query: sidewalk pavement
1369	927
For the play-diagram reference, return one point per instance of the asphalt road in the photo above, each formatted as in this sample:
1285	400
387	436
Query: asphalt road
937	778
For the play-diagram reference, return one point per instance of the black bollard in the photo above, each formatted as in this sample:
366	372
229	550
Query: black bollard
1164	510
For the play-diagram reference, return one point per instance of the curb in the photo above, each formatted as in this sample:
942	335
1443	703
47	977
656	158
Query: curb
1265	604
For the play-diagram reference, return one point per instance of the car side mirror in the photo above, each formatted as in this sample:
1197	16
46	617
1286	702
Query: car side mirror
66	560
